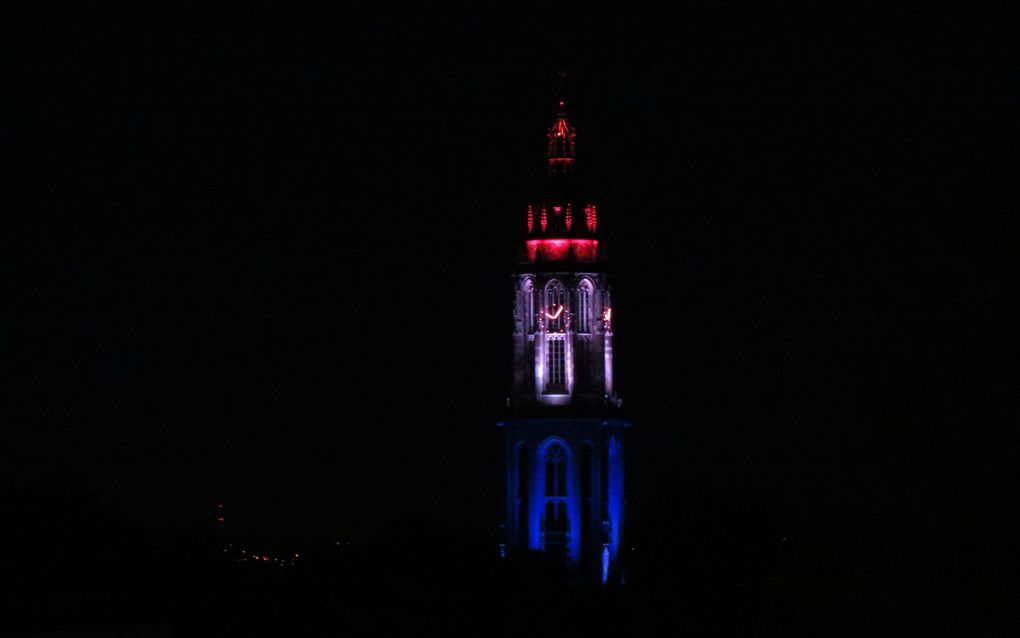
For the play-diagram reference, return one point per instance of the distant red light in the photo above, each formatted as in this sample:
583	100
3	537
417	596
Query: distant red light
219	520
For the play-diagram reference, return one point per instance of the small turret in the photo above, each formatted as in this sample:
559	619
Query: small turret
561	145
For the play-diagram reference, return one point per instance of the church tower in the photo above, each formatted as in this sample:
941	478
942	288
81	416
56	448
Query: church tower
564	431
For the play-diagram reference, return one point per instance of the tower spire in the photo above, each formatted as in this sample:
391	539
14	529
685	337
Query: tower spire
561	143
562	227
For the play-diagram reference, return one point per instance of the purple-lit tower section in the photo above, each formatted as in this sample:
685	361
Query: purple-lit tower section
564	430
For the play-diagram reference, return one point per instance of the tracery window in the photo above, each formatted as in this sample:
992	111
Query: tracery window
555	306
555	471
556	522
584	306
528	306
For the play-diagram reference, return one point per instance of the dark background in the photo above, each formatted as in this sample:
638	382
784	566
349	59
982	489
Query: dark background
261	258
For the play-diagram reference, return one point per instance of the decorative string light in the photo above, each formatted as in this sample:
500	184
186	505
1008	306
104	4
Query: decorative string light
555	315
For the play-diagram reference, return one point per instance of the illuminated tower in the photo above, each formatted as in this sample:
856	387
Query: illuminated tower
564	431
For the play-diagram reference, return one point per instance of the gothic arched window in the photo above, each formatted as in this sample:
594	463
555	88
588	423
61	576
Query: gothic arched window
555	470
584	295
555	306
556	521
528	306
554	314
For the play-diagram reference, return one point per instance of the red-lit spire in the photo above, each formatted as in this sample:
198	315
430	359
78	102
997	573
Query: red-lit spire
554	233
561	143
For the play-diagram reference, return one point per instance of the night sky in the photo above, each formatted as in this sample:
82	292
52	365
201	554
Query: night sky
262	258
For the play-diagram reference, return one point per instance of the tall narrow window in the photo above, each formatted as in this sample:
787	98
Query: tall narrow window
555	306
556	471
556	522
554	315
528	306
584	307
556	380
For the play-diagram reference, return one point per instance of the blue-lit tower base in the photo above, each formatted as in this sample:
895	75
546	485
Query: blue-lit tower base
565	479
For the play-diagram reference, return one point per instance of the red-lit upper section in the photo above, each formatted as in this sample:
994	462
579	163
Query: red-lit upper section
561	144
560	228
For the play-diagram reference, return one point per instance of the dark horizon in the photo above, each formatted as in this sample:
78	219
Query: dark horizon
263	260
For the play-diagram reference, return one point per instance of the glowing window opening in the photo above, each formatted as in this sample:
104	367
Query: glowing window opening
556	381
